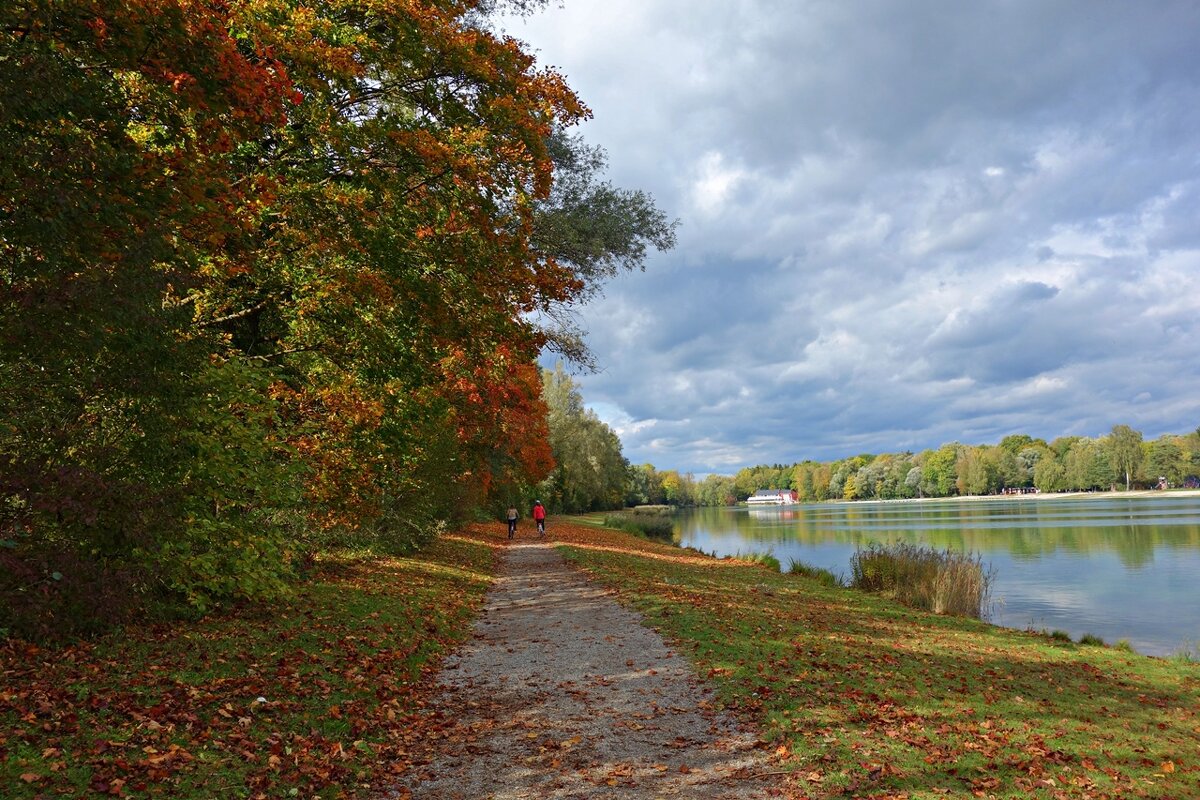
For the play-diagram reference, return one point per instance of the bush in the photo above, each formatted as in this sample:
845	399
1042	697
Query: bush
1091	639
941	581
818	574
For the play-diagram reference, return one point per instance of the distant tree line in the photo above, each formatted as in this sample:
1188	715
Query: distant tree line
1120	460
591	473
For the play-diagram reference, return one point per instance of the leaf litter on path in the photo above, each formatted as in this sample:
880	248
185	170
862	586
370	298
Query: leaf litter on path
562	693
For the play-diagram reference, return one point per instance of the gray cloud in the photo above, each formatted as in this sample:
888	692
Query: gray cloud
902	224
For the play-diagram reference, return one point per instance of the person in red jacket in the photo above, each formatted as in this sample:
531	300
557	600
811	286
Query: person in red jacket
539	517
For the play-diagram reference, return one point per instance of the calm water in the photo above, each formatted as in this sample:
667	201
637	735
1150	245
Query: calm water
1119	568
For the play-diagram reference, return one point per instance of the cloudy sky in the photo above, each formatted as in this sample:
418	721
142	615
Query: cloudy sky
902	223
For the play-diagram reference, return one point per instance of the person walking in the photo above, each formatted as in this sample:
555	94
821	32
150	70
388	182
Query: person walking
512	521
539	517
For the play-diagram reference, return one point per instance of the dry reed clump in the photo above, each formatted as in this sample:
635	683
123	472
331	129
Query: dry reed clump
941	581
658	526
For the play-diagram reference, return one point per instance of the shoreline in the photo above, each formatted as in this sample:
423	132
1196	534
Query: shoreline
975	498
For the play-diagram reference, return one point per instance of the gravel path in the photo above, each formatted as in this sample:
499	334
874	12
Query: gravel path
562	693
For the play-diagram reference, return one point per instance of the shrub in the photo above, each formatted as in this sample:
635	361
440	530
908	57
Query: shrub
1060	636
818	574
1091	639
941	581
1123	645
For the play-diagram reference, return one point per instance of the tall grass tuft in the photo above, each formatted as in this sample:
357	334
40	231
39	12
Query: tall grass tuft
818	574
658	526
768	560
941	581
660	510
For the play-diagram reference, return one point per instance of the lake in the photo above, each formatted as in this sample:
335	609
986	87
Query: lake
1116	567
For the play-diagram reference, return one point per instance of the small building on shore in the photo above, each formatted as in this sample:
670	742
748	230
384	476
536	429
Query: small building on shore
773	497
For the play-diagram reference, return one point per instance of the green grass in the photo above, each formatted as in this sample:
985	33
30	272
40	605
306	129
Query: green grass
861	697
175	711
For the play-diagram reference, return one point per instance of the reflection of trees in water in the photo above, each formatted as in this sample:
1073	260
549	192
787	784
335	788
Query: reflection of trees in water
1133	544
1136	546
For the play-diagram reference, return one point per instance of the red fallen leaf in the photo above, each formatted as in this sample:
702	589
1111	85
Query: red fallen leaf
30	777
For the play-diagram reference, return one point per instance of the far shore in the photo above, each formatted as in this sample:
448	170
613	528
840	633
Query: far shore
1032	496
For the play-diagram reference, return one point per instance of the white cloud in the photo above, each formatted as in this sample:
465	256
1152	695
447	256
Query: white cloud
902	224
714	184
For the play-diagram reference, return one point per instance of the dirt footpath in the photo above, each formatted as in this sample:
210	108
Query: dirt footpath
564	694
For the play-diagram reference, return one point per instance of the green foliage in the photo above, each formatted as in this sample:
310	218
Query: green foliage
1091	640
270	283
751	479
1060	636
938	473
590	472
941	581
1166	460
1124	446
241	496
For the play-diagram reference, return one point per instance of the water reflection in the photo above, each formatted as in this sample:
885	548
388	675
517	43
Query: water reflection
1120	568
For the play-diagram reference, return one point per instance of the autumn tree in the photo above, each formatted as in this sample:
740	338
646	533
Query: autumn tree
275	277
118	121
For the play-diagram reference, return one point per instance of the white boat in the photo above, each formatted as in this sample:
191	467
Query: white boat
773	497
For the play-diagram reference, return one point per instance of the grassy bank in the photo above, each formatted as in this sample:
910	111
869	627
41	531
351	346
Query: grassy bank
860	697
322	696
